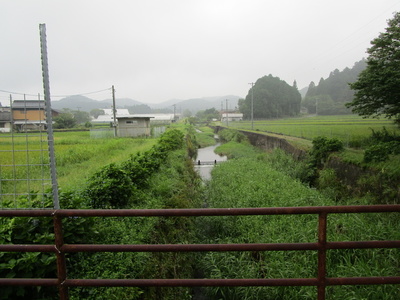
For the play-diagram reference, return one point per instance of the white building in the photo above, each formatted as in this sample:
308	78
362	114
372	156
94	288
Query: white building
231	117
108	116
133	126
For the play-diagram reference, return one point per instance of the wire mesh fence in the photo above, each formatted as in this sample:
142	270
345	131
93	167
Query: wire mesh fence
25	169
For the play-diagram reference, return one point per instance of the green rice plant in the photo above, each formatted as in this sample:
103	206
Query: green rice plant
352	130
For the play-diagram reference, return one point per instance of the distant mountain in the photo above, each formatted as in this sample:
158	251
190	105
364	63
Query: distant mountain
303	92
122	102
196	104
86	104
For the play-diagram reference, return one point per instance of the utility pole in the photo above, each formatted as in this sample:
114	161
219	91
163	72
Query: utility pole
252	107
114	112
174	110
222	110
226	113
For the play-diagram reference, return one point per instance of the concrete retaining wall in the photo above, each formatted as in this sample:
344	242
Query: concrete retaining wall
267	142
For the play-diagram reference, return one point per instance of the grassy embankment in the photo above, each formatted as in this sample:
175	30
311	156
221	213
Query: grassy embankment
255	179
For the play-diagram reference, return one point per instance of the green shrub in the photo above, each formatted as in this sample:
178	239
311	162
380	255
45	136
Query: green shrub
171	140
383	136
139	167
378	152
38	230
381	151
322	147
111	187
231	135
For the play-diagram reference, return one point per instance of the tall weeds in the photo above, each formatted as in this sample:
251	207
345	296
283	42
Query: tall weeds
257	181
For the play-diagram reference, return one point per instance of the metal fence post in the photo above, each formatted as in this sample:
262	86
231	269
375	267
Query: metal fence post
322	222
61	264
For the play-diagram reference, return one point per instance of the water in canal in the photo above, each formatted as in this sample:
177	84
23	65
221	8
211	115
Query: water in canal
207	154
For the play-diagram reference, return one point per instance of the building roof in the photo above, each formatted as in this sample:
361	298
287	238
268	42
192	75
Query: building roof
154	117
120	111
232	115
28	104
28	122
134	117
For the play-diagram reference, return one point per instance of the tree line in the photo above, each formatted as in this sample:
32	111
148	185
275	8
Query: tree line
330	96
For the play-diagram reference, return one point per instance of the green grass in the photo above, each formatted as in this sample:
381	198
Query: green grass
77	158
351	129
205	137
254	181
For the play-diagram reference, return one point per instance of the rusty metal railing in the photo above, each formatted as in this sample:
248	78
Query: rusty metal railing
322	246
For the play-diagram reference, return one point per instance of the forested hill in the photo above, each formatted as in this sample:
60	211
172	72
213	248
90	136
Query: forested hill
331	94
271	97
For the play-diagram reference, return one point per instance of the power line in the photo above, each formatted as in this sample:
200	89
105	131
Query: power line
17	93
83	94
55	96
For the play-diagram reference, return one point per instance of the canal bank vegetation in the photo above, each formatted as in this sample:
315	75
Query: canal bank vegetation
346	172
274	180
205	136
160	176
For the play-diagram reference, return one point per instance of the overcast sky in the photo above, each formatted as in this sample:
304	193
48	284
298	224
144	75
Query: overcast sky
157	50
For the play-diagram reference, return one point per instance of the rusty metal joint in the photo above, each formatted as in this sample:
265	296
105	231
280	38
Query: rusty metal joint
57	250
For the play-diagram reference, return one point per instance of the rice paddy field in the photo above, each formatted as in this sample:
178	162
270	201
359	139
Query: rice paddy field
351	129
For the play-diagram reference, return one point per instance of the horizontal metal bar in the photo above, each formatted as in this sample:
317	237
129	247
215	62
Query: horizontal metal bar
24	179
188	247
363	280
26	165
28	248
28	282
190	282
27	150
72	248
363	245
202	211
31	212
199	282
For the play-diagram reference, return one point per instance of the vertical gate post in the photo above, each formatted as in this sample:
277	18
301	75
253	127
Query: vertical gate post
61	264
322	222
